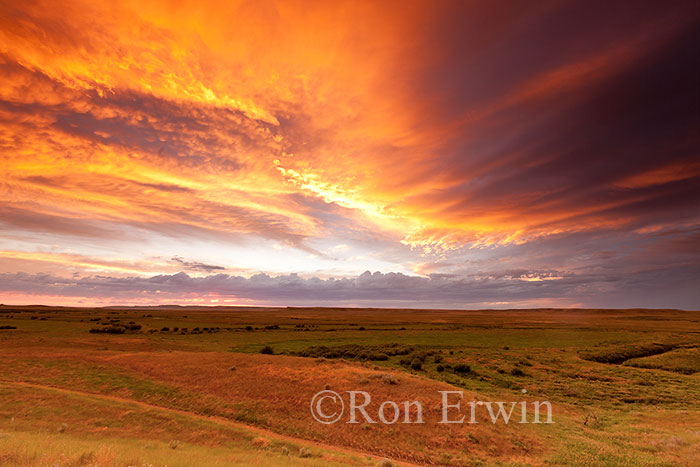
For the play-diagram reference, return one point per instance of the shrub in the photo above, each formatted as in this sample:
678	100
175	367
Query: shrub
503	383
590	419
462	368
416	364
440	368
267	350
389	379
371	355
517	372
438	359
8	327
357	352
87	458
620	354
261	442
109	330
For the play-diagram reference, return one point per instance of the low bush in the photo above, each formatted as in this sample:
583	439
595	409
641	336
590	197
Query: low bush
620	354
420	355
109	330
389	379
267	350
356	351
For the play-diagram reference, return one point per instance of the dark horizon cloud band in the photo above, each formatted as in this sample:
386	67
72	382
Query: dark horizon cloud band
368	289
474	153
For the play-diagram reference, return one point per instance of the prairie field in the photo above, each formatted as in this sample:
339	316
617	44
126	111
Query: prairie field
183	386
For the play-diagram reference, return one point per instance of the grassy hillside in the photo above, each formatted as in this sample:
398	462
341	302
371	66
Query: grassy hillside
182	386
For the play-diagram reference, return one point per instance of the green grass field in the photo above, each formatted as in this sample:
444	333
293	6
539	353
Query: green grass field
185	386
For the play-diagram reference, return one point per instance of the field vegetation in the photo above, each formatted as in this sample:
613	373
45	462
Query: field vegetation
222	386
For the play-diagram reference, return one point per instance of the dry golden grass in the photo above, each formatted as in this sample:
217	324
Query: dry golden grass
214	393
274	392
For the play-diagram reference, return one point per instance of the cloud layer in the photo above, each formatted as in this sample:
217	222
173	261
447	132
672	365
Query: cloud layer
516	288
329	138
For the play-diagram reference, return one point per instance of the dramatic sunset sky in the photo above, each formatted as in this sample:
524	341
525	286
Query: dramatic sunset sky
485	154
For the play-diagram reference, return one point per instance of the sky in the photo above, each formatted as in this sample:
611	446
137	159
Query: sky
466	154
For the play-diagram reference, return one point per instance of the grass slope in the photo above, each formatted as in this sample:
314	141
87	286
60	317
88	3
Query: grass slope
196	376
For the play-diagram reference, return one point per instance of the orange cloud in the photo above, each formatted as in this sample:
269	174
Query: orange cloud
396	125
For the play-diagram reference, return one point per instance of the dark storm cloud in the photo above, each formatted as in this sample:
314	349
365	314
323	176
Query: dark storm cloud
566	106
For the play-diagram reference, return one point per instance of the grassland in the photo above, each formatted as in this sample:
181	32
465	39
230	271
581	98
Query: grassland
190	386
